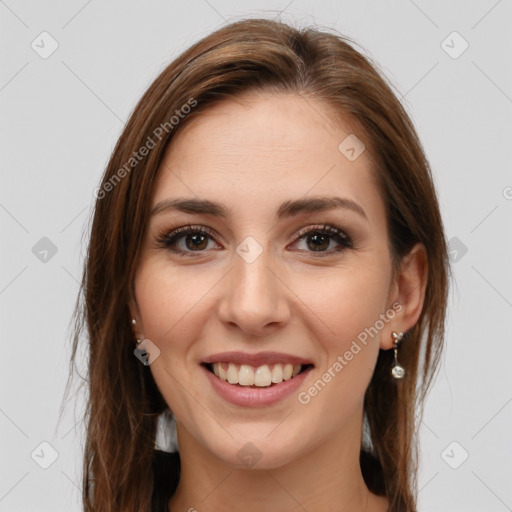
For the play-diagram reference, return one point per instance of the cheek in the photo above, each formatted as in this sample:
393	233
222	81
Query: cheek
170	300
343	303
346	313
347	325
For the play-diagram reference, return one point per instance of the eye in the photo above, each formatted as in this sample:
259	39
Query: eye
195	239
318	238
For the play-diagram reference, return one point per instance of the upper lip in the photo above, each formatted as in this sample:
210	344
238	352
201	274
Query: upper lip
257	359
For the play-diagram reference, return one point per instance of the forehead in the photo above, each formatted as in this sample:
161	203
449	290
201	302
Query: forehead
262	149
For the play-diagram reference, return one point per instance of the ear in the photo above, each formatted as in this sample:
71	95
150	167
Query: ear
408	291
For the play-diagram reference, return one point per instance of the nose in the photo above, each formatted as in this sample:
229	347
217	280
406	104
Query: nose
254	297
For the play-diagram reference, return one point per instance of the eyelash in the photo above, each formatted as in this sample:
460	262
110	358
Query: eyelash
168	238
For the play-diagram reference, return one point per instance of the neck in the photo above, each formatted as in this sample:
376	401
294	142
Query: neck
324	479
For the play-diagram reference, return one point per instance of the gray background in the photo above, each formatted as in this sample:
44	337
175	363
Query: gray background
61	116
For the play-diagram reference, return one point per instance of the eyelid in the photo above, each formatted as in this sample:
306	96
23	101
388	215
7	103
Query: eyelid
328	228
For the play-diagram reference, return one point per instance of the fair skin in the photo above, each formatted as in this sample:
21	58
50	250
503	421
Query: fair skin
251	156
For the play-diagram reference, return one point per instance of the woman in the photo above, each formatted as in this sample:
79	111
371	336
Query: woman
267	264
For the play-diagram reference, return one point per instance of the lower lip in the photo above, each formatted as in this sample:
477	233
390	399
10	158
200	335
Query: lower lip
245	396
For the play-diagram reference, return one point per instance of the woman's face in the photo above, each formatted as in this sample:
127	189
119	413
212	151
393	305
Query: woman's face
255	296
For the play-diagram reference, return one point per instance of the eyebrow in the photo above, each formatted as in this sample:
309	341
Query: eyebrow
287	209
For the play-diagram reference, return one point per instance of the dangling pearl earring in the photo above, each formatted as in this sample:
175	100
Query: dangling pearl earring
397	371
134	322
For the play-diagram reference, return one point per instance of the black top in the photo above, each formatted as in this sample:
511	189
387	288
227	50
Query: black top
166	475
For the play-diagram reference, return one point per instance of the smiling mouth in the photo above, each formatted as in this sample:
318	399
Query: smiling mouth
263	376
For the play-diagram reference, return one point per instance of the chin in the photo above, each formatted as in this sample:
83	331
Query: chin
262	451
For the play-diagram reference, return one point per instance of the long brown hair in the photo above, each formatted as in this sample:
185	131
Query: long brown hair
122	470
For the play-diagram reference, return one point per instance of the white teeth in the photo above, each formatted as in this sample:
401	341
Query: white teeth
277	373
288	371
246	375
262	376
232	374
